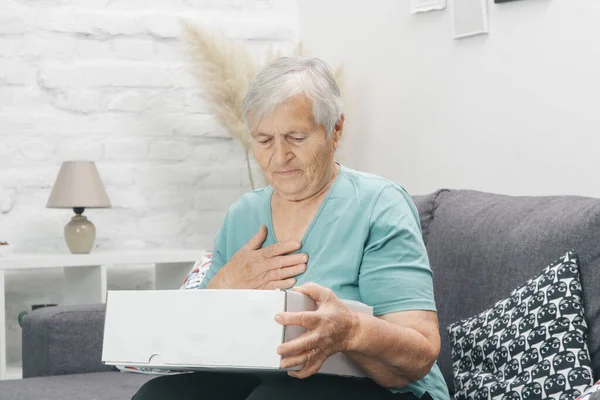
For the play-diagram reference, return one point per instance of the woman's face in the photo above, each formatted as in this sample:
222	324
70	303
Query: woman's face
295	155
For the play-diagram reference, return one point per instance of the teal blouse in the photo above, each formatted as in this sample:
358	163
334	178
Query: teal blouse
364	243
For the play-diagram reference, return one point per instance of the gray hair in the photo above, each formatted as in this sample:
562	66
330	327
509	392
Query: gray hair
287	77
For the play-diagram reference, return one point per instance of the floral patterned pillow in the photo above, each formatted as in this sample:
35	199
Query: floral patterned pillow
198	272
592	393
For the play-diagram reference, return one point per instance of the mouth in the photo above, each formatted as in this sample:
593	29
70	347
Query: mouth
288	172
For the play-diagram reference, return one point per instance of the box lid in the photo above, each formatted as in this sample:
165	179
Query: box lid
162	328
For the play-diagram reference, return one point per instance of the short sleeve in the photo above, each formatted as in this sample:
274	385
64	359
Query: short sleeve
395	274
220	251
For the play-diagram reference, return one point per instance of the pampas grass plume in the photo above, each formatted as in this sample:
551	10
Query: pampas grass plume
224	68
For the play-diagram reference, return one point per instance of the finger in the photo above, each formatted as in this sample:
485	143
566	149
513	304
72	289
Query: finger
305	319
309	369
300	359
293	361
284	284
300	345
281	248
258	239
318	293
281	274
286	261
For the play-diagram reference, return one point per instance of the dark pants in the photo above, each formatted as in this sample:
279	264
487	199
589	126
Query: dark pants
231	386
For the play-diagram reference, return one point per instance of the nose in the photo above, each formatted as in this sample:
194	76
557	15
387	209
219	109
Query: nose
283	153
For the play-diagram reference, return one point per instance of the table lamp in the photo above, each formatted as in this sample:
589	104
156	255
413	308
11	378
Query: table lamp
78	186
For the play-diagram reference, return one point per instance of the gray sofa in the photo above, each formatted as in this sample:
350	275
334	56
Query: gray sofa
481	246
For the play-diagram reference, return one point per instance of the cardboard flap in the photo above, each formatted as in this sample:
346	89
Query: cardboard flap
297	302
337	364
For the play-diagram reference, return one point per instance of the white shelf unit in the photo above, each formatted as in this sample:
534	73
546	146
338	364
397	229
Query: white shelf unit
13	372
84	278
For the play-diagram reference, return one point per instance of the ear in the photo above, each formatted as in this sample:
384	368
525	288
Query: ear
338	130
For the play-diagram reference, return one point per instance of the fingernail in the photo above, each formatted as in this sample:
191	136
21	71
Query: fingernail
278	318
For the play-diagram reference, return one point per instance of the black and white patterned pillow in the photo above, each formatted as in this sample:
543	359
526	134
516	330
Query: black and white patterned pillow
529	346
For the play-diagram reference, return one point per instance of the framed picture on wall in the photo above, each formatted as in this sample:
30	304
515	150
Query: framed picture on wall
470	18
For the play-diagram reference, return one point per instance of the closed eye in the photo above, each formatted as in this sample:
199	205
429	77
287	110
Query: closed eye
265	140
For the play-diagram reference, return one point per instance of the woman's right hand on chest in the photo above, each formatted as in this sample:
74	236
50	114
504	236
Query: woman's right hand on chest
253	267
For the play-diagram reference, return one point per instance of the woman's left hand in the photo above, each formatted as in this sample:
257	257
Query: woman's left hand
329	330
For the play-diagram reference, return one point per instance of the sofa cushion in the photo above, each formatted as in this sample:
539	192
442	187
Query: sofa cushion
98	386
481	246
64	340
531	343
426	206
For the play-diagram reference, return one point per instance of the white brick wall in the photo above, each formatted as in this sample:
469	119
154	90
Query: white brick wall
109	81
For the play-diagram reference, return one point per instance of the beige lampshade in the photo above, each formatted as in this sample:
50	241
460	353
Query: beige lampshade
78	185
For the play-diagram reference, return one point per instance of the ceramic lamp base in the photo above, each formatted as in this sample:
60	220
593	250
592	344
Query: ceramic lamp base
80	235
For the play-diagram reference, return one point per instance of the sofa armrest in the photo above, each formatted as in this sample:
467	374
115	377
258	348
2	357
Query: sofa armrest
63	340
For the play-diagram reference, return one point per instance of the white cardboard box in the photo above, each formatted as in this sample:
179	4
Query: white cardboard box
191	330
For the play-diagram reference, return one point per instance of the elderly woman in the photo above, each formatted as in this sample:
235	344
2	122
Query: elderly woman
331	233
